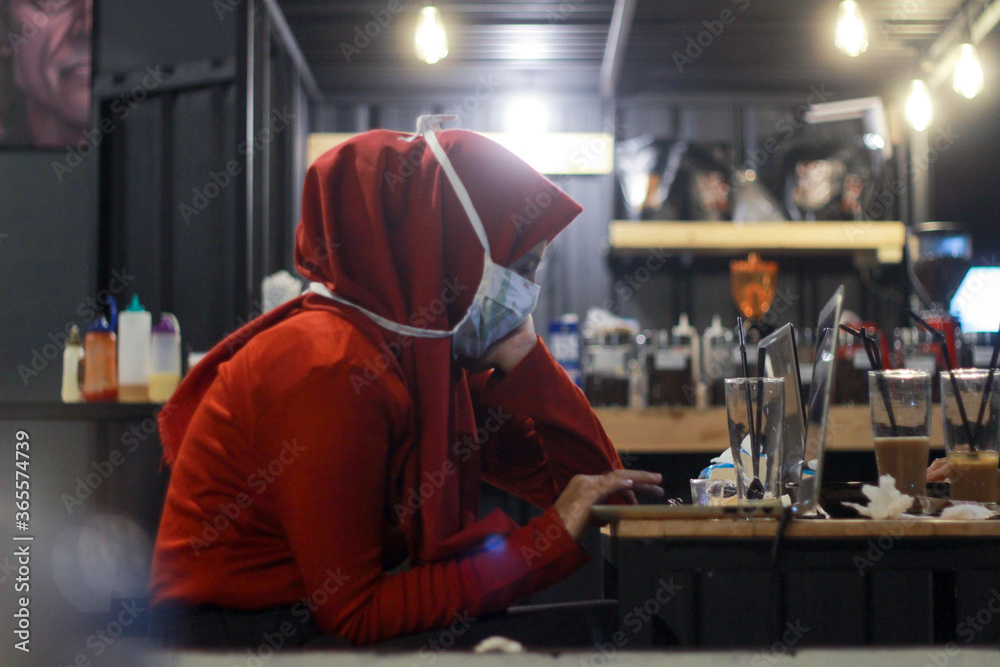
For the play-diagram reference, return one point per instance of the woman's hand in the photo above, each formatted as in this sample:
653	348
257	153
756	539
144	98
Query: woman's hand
938	471
508	351
584	491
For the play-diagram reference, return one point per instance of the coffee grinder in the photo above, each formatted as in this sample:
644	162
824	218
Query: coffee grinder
940	254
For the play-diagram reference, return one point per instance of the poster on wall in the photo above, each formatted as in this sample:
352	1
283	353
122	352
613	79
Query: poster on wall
45	72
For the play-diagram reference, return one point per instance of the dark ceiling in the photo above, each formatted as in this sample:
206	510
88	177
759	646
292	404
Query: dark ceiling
559	44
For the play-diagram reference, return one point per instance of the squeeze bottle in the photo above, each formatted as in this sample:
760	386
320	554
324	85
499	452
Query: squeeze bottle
134	340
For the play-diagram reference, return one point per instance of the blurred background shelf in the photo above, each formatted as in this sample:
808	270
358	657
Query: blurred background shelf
884	240
688	430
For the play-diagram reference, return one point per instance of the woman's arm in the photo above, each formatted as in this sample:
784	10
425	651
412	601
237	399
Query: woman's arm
331	506
542	430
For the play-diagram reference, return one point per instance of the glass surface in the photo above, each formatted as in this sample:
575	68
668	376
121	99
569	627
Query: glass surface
973	451
760	402
900	402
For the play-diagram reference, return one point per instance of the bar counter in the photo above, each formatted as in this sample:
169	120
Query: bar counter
742	583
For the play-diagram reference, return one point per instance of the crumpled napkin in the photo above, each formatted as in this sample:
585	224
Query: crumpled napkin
968	511
885	501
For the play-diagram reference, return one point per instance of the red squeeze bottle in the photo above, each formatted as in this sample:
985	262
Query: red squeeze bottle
100	378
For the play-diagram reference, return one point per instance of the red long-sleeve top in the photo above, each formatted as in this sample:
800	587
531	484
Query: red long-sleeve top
280	495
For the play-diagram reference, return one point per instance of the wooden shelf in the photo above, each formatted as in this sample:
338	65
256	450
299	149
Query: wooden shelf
884	240
687	430
104	411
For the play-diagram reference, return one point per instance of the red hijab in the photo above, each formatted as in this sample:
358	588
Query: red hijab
382	227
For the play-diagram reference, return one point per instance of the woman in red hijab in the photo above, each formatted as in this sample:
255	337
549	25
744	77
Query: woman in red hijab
345	434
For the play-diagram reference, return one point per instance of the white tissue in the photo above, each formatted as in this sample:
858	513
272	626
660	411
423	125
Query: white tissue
885	501
498	644
968	511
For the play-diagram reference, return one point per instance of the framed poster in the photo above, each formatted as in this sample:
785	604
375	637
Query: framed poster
45	72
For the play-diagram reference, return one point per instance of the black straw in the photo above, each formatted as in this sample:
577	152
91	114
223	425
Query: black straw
989	385
883	388
943	344
761	356
746	384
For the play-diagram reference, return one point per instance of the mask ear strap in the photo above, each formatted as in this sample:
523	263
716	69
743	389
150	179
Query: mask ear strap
428	124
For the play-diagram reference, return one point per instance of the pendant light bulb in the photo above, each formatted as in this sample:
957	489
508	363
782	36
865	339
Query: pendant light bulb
968	80
919	110
852	36
431	41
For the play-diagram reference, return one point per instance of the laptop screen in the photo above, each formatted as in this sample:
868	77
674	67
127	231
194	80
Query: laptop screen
818	405
782	362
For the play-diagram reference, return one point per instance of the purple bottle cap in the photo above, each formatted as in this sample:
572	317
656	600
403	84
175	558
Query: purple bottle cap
168	324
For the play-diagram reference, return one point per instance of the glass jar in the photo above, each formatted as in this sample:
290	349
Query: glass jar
606	373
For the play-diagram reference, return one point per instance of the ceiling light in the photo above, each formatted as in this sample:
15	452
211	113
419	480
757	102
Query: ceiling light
431	41
852	36
968	73
919	110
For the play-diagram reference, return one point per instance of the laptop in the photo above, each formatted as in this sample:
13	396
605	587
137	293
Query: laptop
804	432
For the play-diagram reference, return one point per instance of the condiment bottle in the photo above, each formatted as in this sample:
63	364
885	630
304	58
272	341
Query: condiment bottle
686	342
72	358
165	373
718	344
134	340
100	378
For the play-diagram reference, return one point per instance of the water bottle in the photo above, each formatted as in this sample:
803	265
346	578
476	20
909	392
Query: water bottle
564	340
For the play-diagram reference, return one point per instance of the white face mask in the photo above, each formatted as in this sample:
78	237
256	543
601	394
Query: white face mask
503	299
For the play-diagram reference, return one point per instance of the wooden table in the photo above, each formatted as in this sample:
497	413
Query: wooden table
732	583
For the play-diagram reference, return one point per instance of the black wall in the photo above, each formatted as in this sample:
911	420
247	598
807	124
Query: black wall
48	259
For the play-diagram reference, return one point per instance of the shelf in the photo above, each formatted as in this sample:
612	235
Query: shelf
105	411
687	430
884	240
